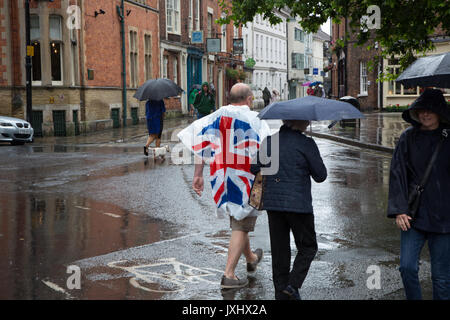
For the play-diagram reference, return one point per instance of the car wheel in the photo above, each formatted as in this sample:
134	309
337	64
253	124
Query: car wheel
17	143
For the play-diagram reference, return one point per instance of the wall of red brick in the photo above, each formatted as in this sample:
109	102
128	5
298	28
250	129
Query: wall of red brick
3	45
103	41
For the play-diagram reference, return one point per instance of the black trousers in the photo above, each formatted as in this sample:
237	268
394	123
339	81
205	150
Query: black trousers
302	226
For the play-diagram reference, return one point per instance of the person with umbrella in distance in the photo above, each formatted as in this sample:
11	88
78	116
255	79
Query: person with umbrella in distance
419	188
154	113
286	194
154	91
204	101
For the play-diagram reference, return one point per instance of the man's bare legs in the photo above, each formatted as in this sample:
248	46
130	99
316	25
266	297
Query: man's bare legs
239	244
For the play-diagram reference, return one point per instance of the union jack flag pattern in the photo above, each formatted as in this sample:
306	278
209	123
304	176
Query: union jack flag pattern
228	140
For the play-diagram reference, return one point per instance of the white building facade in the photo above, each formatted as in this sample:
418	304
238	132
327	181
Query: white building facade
306	58
267	45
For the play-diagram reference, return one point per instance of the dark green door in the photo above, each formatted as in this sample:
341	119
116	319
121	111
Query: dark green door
59	123
134	115
36	122
76	122
115	117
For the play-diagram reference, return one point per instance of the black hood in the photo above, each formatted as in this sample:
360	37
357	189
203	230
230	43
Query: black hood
430	99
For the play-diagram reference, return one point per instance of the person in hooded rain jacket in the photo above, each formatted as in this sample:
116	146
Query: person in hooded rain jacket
429	116
204	101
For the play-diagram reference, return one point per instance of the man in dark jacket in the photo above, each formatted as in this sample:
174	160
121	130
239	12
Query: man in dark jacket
430	117
288	201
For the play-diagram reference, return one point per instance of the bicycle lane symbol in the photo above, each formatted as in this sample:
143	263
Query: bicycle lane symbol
166	275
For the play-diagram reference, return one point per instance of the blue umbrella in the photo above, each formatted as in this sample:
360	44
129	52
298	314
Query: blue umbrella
310	108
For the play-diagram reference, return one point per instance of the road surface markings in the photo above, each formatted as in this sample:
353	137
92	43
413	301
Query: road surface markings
169	275
82	208
112	215
56	288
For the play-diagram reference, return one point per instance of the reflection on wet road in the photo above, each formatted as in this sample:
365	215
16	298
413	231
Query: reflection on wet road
137	230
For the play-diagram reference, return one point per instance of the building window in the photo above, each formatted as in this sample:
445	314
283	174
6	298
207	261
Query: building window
363	77
133	59
210	22
173	16
190	18
165	63
148	56
35	35
299	35
197	16
267	48
224	38
175	70
298	61
396	88
210	73
257	46
55	50
271	50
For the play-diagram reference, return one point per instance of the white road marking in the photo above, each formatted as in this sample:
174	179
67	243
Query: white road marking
112	215
56	288
83	208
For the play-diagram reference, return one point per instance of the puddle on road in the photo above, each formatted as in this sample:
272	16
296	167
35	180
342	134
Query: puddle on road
42	232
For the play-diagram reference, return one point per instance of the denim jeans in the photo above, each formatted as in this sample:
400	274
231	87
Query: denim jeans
412	242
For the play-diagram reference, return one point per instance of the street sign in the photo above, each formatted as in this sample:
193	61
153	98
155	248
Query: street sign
30	51
238	46
197	37
315	71
213	44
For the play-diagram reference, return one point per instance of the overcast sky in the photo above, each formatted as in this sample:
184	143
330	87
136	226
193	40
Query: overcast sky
326	27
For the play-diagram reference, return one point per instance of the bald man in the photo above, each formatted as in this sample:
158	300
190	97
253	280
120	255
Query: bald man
240	95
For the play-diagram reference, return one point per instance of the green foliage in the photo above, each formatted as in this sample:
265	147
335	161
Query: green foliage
406	26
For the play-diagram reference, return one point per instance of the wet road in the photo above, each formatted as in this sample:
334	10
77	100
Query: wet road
137	231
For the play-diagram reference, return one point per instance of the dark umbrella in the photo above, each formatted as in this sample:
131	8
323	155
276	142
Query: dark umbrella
157	89
431	71
351	100
310	108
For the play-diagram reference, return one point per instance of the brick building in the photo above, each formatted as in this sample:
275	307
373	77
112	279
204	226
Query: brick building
350	73
187	62
77	62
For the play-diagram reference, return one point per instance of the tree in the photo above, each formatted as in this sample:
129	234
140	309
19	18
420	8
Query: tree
406	28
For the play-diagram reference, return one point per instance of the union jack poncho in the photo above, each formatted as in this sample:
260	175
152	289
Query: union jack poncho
228	140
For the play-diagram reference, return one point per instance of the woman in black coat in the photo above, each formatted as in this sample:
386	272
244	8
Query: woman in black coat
287	199
430	118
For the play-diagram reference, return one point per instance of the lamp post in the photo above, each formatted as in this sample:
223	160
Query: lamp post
28	63
121	13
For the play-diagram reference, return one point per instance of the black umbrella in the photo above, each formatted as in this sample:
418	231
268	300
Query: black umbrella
431	71
351	100
157	89
310	108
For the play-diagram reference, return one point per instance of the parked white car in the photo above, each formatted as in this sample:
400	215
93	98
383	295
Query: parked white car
15	131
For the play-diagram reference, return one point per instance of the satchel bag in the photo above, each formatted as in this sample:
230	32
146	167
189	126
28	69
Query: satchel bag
416	190
256	193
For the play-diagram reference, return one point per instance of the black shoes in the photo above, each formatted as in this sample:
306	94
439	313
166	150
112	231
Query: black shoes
145	150
292	293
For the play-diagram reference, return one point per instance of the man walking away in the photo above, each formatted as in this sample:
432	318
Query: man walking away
230	174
